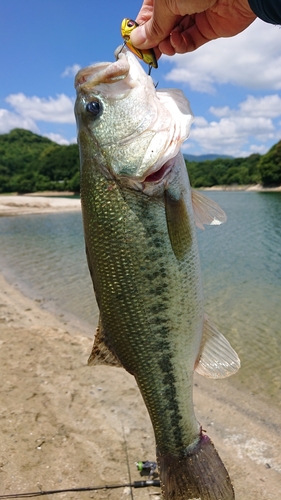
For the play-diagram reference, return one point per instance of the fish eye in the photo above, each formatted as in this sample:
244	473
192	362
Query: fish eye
94	107
130	23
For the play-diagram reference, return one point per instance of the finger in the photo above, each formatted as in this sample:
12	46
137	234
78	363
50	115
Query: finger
157	52
145	12
192	32
156	29
166	48
188	40
150	34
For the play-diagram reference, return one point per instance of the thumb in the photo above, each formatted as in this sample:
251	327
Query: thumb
156	29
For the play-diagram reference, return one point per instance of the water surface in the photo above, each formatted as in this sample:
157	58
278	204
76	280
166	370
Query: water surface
241	266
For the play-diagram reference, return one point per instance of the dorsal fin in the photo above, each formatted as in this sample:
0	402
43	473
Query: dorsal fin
100	354
206	211
216	358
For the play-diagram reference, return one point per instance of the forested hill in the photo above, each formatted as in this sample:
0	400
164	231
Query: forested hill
254	169
30	162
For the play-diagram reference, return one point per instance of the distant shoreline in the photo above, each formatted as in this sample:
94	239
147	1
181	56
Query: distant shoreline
258	188
65	201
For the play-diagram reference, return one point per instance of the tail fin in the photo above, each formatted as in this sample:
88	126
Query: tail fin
199	474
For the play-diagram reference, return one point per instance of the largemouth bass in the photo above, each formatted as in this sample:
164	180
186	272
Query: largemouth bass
140	237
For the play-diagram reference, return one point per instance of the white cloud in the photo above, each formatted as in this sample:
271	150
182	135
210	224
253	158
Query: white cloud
220	112
251	59
26	111
231	135
237	131
56	110
230	130
59	139
200	121
10	120
71	70
267	106
261	149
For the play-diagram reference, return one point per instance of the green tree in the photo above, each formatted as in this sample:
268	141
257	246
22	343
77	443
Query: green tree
30	162
270	166
253	166
238	175
59	163
224	171
74	183
20	149
23	183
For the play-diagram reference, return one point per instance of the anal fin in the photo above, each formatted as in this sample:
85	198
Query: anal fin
217	359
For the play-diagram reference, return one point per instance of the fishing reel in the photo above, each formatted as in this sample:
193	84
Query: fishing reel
147	468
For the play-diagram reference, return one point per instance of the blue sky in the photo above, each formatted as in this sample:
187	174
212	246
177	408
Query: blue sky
233	85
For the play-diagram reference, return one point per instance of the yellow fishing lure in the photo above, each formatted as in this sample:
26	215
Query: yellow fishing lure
148	56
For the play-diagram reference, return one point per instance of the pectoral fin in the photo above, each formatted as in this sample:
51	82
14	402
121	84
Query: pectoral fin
100	354
206	211
216	358
178	224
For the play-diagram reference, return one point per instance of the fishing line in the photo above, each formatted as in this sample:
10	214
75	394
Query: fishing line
135	484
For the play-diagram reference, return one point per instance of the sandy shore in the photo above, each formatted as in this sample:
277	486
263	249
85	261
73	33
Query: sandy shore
63	423
53	201
17	205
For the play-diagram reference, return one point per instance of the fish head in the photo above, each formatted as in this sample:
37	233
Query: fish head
133	129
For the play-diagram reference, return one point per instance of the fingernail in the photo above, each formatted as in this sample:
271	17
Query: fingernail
138	36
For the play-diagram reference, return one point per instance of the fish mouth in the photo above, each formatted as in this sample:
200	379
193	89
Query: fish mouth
161	173
107	73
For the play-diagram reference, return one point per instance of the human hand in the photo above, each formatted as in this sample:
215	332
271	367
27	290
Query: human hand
179	26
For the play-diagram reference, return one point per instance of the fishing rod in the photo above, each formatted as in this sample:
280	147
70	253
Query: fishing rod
134	484
128	465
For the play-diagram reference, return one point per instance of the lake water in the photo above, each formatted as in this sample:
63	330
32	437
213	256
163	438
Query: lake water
241	265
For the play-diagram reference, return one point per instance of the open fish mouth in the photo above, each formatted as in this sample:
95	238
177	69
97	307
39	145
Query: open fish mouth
124	68
160	174
156	180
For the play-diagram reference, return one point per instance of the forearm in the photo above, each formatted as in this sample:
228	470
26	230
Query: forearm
267	10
